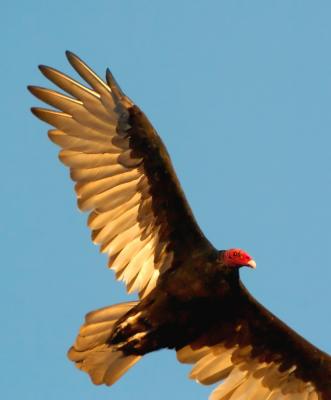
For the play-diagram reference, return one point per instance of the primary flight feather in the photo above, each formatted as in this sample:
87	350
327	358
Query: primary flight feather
191	296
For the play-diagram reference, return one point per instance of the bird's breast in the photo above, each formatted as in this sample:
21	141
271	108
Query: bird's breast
189	282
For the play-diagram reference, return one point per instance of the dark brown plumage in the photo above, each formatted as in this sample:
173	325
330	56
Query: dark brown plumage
191	297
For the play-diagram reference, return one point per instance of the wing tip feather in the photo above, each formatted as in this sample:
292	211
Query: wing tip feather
46	70
31	88
36	111
71	56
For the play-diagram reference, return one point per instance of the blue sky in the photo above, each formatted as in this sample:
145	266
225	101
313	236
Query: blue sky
240	92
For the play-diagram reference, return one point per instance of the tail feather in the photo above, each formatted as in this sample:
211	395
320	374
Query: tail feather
92	354
112	313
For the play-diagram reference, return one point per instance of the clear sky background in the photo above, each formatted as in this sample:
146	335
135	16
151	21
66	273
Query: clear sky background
240	92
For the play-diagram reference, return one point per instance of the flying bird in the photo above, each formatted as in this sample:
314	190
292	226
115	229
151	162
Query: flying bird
191	298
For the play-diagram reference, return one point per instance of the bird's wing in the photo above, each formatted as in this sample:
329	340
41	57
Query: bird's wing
124	177
257	357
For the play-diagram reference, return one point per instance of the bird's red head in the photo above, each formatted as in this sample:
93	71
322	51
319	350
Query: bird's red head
238	258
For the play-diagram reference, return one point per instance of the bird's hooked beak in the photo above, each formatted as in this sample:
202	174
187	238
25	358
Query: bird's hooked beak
251	263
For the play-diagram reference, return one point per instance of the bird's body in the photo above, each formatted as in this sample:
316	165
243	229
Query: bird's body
186	302
191	296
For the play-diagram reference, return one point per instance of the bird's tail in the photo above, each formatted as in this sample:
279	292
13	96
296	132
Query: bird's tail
92	352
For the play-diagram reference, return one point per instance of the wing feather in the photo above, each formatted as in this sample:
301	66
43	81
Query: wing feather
123	174
257	357
74	143
98	186
86	174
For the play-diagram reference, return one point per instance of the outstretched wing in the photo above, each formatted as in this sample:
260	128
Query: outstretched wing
124	177
258	357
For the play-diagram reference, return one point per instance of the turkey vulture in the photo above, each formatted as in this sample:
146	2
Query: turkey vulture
191	298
